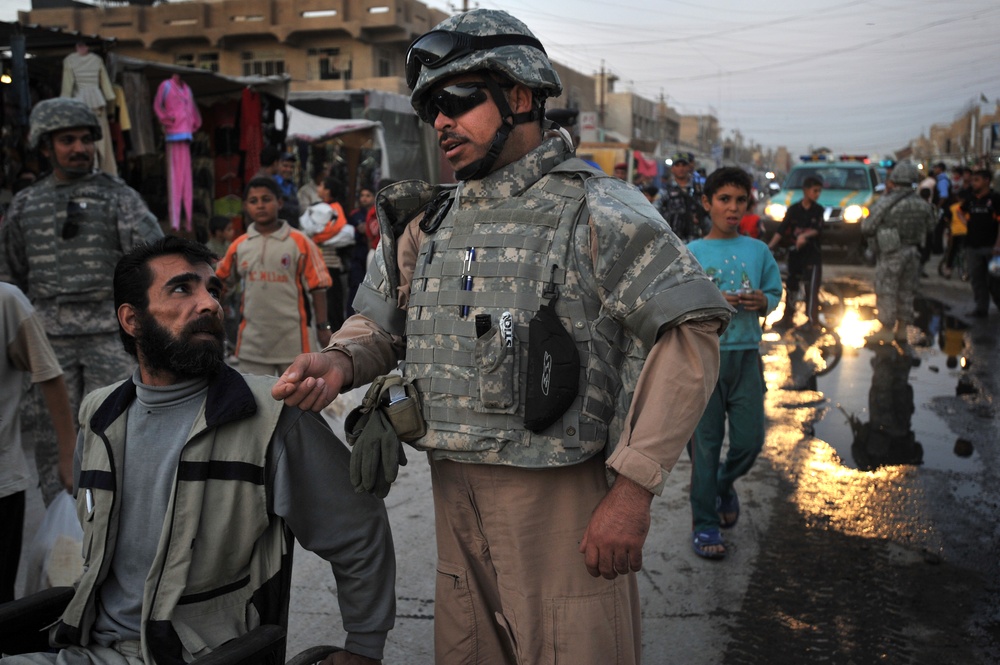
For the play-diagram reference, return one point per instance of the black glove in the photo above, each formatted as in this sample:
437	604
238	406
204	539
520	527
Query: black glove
376	456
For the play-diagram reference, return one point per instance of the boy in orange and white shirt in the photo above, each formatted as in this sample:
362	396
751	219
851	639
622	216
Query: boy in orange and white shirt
284	286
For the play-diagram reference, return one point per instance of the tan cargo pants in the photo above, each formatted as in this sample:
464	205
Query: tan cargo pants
511	586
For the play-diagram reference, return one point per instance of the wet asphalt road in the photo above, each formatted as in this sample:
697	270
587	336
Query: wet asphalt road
882	545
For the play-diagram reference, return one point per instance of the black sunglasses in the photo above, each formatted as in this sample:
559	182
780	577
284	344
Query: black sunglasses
439	47
452	101
74	211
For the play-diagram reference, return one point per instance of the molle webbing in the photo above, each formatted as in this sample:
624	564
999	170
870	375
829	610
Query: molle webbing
521	246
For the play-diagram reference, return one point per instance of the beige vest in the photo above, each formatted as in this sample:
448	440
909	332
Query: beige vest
220	553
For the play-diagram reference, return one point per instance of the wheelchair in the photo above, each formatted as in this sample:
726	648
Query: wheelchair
24	622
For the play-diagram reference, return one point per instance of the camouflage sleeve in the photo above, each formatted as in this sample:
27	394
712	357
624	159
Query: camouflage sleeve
15	258
647	279
136	224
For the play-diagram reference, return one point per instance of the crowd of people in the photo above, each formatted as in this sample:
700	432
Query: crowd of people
566	338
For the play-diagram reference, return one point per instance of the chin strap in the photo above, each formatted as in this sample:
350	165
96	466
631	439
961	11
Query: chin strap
508	119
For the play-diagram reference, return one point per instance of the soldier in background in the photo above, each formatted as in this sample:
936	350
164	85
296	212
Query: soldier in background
533	545
680	202
62	238
899	222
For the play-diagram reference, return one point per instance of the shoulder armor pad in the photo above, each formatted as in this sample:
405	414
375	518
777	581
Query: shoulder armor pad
577	165
395	206
609	195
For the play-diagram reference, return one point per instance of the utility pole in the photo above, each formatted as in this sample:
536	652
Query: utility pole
600	103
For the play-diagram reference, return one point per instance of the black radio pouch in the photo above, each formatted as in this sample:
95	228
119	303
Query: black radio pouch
553	367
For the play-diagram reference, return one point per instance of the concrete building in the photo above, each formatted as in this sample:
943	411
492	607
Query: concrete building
699	132
334	45
320	44
642	123
972	137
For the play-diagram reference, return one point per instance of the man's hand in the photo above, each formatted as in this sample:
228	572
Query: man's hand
348	658
313	380
612	543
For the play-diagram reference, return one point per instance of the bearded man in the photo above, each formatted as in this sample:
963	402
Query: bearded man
187	475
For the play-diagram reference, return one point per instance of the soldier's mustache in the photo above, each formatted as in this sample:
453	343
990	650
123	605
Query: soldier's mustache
449	136
207	324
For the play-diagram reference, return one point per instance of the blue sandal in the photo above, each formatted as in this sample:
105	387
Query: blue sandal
708	538
729	506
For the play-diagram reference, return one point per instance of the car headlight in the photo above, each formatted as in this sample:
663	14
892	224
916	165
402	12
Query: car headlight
855	213
775	211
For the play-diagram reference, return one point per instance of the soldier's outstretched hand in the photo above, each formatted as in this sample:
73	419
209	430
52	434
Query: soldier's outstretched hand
313	380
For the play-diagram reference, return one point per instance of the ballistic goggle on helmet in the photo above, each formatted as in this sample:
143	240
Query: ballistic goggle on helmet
478	40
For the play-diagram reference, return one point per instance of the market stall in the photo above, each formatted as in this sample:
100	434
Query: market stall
355	149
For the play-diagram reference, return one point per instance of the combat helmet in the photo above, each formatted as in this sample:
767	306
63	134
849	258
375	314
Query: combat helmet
60	113
905	173
482	40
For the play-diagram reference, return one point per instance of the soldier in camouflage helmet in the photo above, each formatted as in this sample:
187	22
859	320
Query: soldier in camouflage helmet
898	224
62	238
534	255
680	201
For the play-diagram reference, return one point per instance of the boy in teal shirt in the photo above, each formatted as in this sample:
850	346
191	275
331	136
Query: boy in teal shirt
743	268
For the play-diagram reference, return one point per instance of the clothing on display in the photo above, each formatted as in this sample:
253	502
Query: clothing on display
251	134
177	111
85	78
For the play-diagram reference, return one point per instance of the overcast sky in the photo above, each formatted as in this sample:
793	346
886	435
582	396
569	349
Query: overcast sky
854	76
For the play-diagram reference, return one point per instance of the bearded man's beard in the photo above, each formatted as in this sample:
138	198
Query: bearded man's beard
184	356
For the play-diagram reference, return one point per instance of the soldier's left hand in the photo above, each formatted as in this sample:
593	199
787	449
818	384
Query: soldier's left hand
612	543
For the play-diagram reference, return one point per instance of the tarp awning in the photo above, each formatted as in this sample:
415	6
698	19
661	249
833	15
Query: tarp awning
38	37
304	126
203	83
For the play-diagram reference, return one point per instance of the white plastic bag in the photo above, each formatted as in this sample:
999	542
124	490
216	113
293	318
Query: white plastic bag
55	556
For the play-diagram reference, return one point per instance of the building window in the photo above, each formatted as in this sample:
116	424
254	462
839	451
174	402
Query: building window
263	63
328	64
384	64
207	61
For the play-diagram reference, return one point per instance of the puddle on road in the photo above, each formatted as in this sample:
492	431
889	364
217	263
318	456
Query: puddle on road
878	403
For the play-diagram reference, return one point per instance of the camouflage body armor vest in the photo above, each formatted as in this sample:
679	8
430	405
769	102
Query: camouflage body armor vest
473	385
69	233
